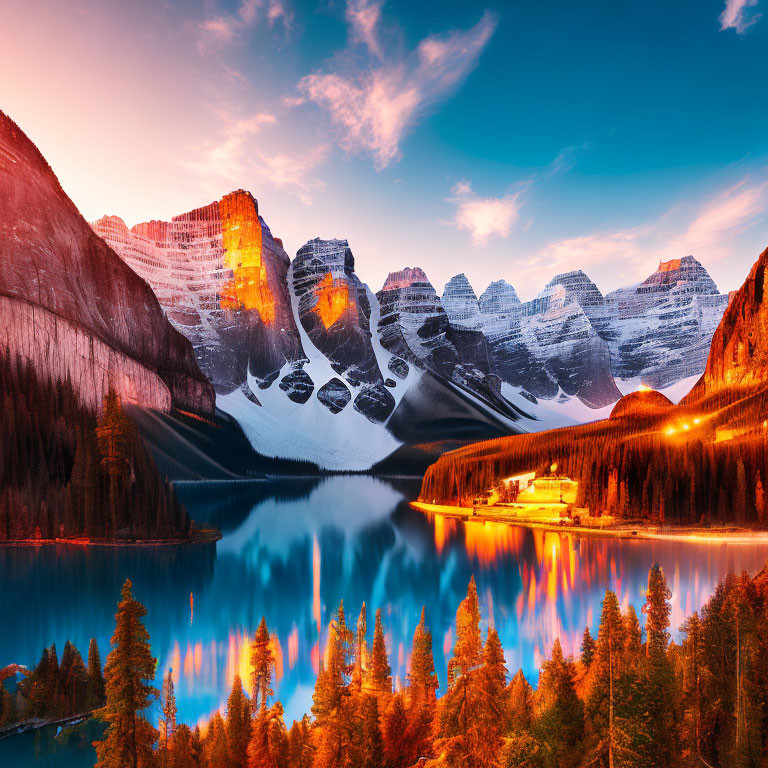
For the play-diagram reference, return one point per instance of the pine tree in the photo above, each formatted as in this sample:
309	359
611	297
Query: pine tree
238	724
262	667
520	713
95	676
130	668
422	678
167	710
587	649
560	725
300	749
659	680
371	745
215	748
361	650
379	679
468	649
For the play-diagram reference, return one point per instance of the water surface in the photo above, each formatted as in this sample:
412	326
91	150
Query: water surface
292	549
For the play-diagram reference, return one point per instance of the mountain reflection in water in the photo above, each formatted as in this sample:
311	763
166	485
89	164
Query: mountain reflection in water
292	548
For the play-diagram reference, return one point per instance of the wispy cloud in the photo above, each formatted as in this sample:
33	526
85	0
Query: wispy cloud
720	219
226	27
235	157
484	217
738	15
624	256
373	106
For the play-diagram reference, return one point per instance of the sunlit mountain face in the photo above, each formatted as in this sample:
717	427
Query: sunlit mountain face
292	550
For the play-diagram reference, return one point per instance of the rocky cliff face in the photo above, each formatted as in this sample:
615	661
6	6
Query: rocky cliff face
221	277
335	312
413	323
94	318
738	356
663	327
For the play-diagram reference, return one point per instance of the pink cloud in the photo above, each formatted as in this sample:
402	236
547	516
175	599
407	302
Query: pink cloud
363	17
484	217
373	109
736	15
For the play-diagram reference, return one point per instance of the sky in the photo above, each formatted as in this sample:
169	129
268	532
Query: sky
512	140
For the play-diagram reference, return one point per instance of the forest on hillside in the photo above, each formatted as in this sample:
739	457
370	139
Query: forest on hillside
700	462
631	698
67	472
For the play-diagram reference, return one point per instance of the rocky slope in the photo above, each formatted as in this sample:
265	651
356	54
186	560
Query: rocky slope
663	327
70	306
221	277
572	341
738	355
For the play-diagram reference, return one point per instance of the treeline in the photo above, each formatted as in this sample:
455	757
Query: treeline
55	690
64	472
713	470
631	699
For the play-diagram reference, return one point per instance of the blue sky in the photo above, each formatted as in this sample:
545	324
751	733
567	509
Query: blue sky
512	140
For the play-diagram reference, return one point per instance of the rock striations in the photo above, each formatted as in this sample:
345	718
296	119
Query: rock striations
71	307
662	328
738	355
221	277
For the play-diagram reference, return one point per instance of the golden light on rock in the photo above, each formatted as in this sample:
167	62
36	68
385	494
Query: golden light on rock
242	242
332	300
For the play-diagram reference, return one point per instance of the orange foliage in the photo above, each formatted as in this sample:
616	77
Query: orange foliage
241	239
332	299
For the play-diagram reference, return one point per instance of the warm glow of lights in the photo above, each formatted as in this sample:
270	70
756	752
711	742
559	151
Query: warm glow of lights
644	388
332	299
697	420
671	431
242	241
487	540
686	427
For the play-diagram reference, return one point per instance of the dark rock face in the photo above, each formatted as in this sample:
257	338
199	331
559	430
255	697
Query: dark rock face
390	383
298	386
398	366
221	277
334	308
334	395
55	263
413	324
375	403
551	342
738	357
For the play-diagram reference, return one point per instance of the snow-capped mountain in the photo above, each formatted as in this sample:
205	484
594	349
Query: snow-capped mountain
314	366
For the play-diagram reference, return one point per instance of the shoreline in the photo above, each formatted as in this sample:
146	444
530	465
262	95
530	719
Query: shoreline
690	533
206	538
27	726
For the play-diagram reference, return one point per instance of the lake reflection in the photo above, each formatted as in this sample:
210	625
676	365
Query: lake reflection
292	549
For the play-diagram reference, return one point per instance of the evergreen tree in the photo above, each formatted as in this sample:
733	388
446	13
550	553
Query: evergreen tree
371	745
95	676
262	668
215	748
128	739
168	710
422	678
561	722
468	649
238	724
379	674
587	649
361	650
520	701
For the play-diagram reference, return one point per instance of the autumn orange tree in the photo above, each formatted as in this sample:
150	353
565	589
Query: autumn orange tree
129	737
